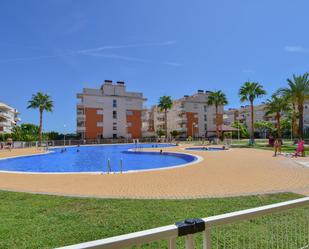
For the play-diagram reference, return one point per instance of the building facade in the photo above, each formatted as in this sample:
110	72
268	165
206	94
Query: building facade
109	112
190	116
8	118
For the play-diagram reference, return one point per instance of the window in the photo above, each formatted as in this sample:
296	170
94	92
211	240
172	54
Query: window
99	124
205	108
99	112
129	113
114	114
114	102
205	126
205	117
114	128
114	135
129	124
195	106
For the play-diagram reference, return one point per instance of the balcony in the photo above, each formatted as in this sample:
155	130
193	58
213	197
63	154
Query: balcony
81	116
5	124
81	128
5	114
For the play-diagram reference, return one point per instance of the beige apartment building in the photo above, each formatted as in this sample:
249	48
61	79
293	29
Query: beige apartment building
8	118
190	115
109	112
243	115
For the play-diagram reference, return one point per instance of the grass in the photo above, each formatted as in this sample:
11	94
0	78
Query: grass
41	221
287	146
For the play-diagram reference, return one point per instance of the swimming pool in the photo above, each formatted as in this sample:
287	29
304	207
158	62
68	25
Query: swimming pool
205	148
96	158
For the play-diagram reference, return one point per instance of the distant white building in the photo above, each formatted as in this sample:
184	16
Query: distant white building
190	116
8	118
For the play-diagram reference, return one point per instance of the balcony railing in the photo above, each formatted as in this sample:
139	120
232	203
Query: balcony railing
282	225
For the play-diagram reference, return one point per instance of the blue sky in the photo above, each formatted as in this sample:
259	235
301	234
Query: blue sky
158	47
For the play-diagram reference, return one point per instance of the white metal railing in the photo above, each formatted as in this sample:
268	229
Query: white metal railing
295	233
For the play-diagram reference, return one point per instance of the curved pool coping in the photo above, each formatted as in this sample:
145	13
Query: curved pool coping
195	161
187	149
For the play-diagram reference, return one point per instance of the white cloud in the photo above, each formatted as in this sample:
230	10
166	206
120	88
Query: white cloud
296	49
96	52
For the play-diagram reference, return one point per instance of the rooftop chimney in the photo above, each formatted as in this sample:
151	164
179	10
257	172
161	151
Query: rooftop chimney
200	91
186	96
120	83
108	82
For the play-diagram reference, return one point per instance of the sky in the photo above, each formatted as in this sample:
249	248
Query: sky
157	47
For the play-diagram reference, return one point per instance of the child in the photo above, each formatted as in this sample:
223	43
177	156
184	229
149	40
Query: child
300	148
277	146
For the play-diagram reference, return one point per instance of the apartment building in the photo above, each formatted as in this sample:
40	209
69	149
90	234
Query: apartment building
243	115
190	115
109	112
8	118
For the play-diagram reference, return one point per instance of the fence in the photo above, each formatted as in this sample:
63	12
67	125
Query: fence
282	225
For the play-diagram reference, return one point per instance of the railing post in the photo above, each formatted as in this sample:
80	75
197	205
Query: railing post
172	243
207	239
190	241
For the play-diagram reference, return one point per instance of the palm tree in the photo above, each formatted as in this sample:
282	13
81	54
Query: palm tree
249	92
165	103
298	92
290	96
277	105
217	98
44	103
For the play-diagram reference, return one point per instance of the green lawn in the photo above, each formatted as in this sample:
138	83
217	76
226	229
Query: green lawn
41	221
287	146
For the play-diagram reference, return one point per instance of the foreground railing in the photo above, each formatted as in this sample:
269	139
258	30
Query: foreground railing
282	225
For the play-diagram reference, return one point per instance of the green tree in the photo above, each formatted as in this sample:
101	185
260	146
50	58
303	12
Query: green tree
242	129
217	98
175	133
42	102
25	132
297	92
277	105
249	92
264	126
165	103
160	133
290	96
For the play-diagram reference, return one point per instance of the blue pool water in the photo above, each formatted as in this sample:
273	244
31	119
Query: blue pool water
204	148
95	159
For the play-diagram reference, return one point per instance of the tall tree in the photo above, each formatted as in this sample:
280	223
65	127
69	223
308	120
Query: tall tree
277	105
298	92
217	98
42	102
289	94
165	103
249	92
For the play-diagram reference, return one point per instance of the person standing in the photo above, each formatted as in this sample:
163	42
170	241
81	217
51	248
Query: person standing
277	146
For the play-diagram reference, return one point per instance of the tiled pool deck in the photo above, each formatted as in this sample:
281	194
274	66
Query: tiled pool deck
221	173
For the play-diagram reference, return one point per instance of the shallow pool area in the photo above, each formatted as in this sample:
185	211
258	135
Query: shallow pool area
101	158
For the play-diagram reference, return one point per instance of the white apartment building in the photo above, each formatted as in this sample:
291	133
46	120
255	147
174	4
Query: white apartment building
190	115
109	112
8	118
243	115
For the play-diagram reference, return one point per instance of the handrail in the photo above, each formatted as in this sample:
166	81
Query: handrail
122	241
171	231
